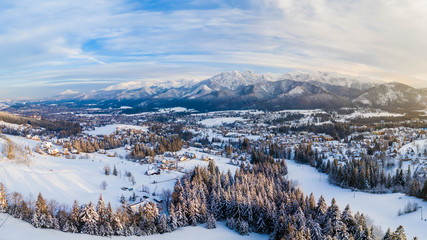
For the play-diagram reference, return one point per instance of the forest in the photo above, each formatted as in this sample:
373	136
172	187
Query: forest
257	199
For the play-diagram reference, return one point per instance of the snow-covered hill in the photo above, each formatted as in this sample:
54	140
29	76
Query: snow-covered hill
393	94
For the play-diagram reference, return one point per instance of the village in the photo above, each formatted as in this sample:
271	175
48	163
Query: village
135	160
229	137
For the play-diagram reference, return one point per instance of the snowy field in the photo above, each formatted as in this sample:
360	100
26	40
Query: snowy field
227	112
108	129
210	122
221	162
303	111
14	229
367	114
176	110
381	208
65	180
9	125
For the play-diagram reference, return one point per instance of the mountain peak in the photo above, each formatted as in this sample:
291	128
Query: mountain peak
332	78
234	79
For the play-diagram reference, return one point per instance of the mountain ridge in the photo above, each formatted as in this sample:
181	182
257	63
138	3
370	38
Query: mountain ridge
243	90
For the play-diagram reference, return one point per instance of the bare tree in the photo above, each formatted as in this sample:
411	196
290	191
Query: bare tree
104	185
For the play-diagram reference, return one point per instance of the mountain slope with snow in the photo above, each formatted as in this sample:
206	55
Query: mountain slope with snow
244	90
393	95
360	83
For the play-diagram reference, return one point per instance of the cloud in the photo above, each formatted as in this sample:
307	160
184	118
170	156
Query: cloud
57	43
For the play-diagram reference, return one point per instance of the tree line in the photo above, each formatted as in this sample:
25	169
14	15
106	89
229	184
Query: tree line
366	174
257	199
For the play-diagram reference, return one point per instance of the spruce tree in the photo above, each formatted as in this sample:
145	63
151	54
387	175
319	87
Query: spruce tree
424	191
211	221
89	219
399	234
3	199
42	218
173	221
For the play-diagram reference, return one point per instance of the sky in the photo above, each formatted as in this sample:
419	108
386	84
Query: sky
51	46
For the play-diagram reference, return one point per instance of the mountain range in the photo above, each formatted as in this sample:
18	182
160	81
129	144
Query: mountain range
247	90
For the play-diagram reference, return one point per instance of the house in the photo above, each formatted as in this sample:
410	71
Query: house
111	154
153	171
327	138
47	145
53	152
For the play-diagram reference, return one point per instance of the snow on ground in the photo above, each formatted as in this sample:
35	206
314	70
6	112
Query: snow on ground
14	229
229	136
66	180
418	146
368	114
221	162
227	112
175	109
381	208
108	129
9	125
210	122
3	106
303	111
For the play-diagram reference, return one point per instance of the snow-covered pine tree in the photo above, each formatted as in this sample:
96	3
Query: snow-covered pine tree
242	227
151	215
3	199
75	218
162	226
191	213
388	235
89	219
339	229
211	221
116	224
315	229
214	205
41	217
104	227
181	216
322	207
399	234
172	219
348	220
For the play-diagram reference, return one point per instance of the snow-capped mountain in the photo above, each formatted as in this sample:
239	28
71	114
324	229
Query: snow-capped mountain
235	79
336	79
394	94
237	90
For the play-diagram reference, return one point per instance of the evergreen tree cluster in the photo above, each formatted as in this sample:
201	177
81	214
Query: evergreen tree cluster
257	199
366	173
62	128
144	144
99	219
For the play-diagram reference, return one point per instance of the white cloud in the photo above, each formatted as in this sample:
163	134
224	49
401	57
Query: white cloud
43	43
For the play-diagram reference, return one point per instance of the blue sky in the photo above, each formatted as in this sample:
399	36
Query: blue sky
50	46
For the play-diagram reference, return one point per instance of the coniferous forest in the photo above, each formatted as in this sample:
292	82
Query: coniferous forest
257	199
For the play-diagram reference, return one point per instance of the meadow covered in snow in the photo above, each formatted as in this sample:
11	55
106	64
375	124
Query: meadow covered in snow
382	209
